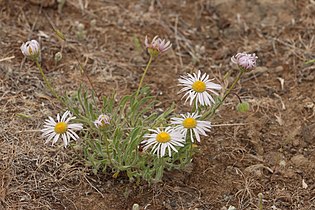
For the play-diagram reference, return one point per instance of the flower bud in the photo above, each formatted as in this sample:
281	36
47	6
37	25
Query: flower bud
81	32
243	107
102	121
61	3
31	49
58	57
245	61
157	46
135	206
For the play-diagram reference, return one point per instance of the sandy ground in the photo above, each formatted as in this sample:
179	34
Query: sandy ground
268	150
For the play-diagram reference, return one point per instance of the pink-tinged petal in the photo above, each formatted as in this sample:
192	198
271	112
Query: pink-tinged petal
161	43
158	45
244	60
154	39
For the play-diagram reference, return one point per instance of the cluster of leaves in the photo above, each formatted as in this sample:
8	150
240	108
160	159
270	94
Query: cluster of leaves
116	147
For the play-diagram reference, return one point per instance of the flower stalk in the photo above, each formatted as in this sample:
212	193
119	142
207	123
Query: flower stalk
245	62
211	112
155	48
143	75
47	83
84	73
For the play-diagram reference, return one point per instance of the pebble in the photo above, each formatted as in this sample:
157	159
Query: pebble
299	160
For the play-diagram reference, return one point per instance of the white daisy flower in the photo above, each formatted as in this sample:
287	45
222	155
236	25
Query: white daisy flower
53	130
31	49
189	125
197	88
163	139
102	121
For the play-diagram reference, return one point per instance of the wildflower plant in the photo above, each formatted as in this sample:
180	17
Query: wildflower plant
125	135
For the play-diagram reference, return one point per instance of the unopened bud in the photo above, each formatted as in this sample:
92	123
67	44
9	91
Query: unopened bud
58	57
243	107
80	33
135	206
93	23
61	3
80	26
245	61
31	50
102	121
157	46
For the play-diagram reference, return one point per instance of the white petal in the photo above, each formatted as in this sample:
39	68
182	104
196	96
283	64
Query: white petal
76	126
163	147
50	138
65	141
197	135
55	139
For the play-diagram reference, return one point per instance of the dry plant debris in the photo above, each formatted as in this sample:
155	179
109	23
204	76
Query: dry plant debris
269	150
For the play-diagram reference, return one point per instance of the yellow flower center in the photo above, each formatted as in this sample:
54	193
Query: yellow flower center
163	137
189	123
154	52
103	124
30	50
61	127
199	86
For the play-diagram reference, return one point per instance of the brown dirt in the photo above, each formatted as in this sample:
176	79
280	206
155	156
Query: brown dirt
269	150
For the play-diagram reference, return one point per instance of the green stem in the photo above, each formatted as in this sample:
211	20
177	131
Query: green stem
107	150
310	61
89	80
190	151
211	112
143	75
47	83
260	204
160	168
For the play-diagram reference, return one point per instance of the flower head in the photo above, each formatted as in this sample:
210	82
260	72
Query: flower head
244	60
62	128
190	125
197	88
102	121
163	139
157	46
31	49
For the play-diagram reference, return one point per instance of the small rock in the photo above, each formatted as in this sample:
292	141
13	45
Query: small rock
304	185
279	69
271	2
289	173
274	158
308	133
44	3
299	160
295	142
